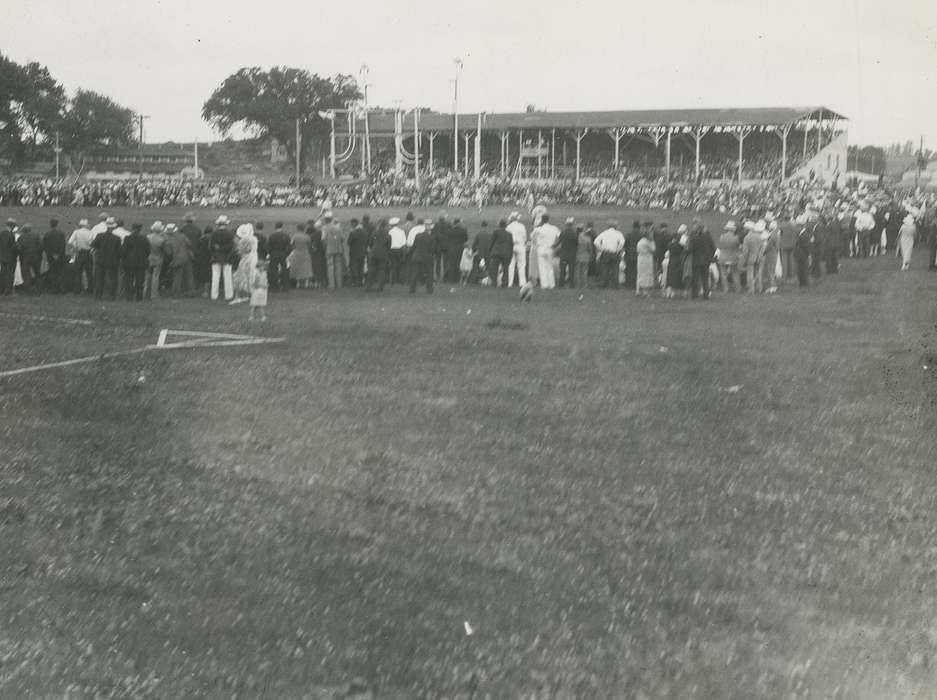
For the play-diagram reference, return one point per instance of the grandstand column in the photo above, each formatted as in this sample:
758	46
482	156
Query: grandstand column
667	151
740	135
332	145
478	148
466	137
580	135
416	146
539	159
698	136
785	130
616	135
553	154
504	152
520	153
820	133
432	137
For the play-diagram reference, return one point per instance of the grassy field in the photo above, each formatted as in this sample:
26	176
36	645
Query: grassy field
622	498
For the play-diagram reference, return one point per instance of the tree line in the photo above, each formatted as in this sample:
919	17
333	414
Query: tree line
35	108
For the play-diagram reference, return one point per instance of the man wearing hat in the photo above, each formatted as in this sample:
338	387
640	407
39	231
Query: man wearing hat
336	253
608	247
181	257
519	254
631	255
729	258
279	247
30	252
8	255
101	226
752	257
378	257
502	247
357	253
135	253
441	233
159	247
702	250
78	250
107	251
398	247
53	245
421	255
222	248
458	236
566	246
191	231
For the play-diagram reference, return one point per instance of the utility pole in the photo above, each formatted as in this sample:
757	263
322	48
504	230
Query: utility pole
920	164
299	137
367	128
140	118
58	150
455	112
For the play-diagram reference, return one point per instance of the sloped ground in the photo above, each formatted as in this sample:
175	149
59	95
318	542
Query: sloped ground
579	481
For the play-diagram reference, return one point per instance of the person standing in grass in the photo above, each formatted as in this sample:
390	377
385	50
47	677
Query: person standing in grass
78	250
107	252
378	256
222	250
398	248
421	258
53	245
752	259
519	254
547	237
30	252
301	257
673	281
729	258
180	263
802	252
258	284
8	256
467	263
906	238
458	237
608	247
644	282
585	251
135	253
279	246
357	253
502	247
567	246
336	251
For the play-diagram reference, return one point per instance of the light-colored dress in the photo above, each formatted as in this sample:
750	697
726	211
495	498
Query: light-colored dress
247	250
906	237
646	250
300	259
533	270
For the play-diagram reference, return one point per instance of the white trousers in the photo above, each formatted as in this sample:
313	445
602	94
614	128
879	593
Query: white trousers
545	264
519	263
217	271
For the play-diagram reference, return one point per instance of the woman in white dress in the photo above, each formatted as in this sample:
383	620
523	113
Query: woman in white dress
906	241
246	244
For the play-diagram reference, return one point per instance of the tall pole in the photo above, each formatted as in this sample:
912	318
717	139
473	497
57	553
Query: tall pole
806	130
478	149
455	115
140	118
465	161
667	169
332	145
196	159
520	153
553	155
367	127
539	159
820	133
784	153
58	150
416	145
299	137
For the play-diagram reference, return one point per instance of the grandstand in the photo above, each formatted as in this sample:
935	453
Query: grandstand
740	144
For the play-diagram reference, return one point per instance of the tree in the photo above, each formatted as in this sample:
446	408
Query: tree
94	122
41	109
268	103
12	91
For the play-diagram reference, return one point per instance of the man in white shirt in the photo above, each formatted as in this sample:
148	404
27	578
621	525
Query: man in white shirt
416	230
398	244
519	259
608	247
78	250
537	214
101	226
547	235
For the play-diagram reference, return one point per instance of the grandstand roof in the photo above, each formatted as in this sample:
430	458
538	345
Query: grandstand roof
648	118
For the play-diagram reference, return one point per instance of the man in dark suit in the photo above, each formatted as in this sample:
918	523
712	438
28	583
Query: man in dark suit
458	236
317	252
53	245
566	246
30	252
8	255
702	249
499	257
107	251
378	258
191	231
357	253
831	241
441	232
631	255
221	246
279	247
135	253
482	249
420	257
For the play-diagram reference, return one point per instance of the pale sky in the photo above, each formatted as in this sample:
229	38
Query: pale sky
874	61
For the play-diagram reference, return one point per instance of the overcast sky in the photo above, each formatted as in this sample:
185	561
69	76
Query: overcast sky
872	60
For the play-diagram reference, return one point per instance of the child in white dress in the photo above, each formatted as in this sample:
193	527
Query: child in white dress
259	290
466	263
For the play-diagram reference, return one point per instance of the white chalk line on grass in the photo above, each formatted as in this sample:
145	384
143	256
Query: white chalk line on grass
51	319
137	351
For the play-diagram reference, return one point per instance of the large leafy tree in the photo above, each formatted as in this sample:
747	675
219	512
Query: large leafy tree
41	109
268	103
12	92
95	122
